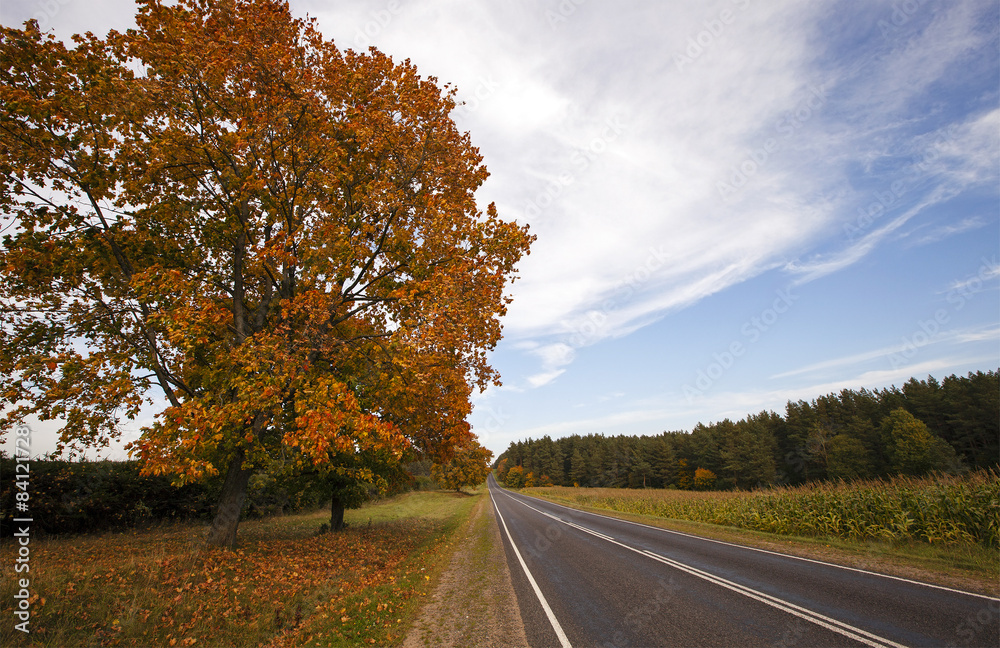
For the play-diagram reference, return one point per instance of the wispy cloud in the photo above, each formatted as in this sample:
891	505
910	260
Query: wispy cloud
596	425
740	404
823	265
982	335
905	348
917	237
553	357
659	183
575	135
989	270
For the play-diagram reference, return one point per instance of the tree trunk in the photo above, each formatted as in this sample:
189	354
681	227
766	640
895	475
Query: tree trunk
227	514
336	514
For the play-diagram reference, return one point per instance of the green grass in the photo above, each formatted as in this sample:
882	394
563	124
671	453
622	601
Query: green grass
374	620
427	505
283	585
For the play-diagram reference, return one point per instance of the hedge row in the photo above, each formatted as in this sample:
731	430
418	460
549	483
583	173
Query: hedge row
92	496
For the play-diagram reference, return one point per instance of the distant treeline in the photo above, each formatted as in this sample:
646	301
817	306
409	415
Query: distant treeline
924	427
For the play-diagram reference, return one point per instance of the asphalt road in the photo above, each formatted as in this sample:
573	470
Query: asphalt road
584	579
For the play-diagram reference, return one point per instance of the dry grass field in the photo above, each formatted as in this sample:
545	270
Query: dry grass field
283	586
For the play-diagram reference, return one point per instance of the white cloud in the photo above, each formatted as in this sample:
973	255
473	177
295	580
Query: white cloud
942	232
922	337
670	414
830	263
597	425
553	357
989	270
983	335
539	380
601	199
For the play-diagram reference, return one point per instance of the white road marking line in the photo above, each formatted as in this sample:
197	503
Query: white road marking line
590	531
563	640
766	551
831	624
834	625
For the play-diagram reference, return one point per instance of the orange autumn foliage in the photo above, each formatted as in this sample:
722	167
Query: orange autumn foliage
469	467
280	237
284	586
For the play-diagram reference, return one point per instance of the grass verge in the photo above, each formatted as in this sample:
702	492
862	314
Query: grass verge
961	565
282	586
474	604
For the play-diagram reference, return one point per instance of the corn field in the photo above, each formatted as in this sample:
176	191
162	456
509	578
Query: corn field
937	509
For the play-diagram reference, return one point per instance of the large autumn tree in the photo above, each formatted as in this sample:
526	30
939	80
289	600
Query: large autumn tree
278	236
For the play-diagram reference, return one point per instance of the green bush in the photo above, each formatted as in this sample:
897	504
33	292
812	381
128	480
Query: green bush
88	496
93	496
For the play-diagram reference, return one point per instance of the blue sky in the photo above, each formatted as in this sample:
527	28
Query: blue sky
737	203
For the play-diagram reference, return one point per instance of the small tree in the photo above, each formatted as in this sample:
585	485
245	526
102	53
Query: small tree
704	479
912	448
501	470
469	467
847	458
685	476
515	477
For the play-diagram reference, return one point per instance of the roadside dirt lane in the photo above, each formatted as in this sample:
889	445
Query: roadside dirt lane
474	604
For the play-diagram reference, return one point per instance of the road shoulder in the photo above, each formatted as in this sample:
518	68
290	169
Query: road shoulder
474	602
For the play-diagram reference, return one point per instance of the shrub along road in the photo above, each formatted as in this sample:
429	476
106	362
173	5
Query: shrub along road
584	579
